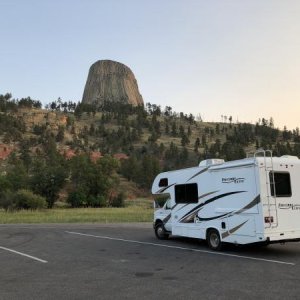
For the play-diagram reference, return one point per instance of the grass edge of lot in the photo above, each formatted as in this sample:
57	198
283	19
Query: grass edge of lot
135	211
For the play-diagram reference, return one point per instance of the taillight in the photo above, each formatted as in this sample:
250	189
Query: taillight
269	219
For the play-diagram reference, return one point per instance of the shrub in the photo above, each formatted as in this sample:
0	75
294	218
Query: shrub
98	201
28	200
5	184
77	199
118	201
7	200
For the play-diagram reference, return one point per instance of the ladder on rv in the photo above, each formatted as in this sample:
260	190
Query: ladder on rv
270	186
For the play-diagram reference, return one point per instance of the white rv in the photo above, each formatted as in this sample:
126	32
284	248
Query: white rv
253	200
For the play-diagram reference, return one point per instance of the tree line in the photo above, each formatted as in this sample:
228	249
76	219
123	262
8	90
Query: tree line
155	139
44	176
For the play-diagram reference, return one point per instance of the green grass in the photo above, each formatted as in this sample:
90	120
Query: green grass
135	211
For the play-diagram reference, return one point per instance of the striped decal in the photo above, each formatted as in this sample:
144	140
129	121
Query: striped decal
190	217
254	202
198	173
207	194
213	218
233	230
164	188
197	208
167	218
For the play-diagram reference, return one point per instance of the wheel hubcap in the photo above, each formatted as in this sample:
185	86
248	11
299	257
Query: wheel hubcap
160	231
214	240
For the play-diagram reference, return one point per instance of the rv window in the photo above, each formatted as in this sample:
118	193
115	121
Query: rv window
163	182
282	184
186	193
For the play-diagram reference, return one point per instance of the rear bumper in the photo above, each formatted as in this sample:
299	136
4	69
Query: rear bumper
281	241
282	237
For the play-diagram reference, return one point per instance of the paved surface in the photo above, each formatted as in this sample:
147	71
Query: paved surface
128	262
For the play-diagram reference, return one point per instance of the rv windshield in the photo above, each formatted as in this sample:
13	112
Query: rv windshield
160	200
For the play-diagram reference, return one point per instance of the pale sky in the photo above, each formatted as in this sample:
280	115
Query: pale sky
239	58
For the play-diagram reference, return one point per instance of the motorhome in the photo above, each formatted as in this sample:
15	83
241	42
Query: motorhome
252	200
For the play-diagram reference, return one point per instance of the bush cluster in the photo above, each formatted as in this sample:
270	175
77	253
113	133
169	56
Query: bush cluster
22	199
118	200
80	199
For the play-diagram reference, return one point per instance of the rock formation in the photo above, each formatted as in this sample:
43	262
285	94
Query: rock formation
111	81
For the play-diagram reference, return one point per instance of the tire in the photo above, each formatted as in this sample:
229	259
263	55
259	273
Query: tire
213	240
160	231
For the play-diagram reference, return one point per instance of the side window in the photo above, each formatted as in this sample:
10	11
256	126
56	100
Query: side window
163	182
186	193
282	184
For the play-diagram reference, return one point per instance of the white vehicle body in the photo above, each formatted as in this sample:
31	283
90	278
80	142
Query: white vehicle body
245	201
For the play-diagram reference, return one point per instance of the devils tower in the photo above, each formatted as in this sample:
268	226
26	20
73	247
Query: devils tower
111	81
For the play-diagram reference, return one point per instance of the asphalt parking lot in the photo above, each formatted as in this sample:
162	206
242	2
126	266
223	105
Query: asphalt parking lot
126	261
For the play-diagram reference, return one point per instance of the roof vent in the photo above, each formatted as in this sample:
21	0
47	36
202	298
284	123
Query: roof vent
211	161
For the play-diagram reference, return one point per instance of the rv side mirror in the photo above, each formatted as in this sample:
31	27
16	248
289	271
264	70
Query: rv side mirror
168	204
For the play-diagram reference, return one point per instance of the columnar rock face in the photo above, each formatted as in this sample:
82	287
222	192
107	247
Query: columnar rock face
111	81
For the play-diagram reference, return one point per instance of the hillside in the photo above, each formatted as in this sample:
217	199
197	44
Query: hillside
142	142
120	128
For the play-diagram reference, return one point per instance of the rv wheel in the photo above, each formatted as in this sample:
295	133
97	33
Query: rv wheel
213	240
160	231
